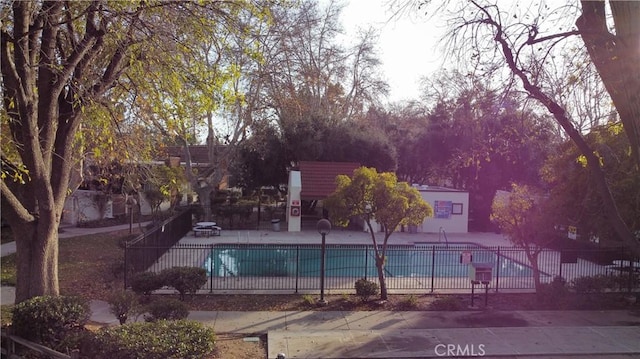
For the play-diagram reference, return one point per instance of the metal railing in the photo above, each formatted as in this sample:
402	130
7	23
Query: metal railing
12	346
418	268
141	252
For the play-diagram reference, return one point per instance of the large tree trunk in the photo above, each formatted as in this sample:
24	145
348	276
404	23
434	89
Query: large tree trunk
37	259
610	208
617	59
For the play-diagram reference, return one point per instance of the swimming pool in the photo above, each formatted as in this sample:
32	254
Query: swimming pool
420	260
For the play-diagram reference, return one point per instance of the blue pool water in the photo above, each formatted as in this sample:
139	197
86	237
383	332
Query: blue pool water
345	261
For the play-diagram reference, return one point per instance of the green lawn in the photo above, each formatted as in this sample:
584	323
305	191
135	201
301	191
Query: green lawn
8	265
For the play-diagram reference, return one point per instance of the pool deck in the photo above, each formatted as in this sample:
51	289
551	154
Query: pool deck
345	237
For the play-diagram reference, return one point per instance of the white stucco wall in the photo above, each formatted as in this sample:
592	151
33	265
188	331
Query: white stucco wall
451	210
81	206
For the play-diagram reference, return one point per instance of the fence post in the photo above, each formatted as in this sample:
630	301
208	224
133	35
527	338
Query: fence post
560	271
631	272
366	261
210	264
433	266
126	264
498	270
297	266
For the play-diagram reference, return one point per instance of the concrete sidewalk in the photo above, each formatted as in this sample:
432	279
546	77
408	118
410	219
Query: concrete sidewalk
428	334
385	334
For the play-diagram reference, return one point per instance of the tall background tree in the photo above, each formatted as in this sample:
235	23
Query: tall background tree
490	37
313	88
59	60
468	134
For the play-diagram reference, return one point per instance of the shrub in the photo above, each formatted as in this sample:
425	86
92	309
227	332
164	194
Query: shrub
308	299
123	304
166	309
366	289
446	303
157	340
552	295
48	320
410	302
185	279
145	282
594	284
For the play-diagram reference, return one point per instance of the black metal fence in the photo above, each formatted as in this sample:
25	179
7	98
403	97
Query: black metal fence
146	249
418	268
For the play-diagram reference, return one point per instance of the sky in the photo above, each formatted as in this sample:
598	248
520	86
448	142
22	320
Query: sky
407	46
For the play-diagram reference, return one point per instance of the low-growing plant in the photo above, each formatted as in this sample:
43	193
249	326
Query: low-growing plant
48	320
145	282
592	284
123	304
625	281
186	280
366	289
447	303
166	309
552	295
307	299
410	302
162	339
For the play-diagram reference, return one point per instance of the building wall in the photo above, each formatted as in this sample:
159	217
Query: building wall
451	210
86	205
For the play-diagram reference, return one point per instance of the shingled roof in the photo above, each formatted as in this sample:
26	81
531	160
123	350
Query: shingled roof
319	178
199	153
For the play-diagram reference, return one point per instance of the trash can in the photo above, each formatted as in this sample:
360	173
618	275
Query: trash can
275	223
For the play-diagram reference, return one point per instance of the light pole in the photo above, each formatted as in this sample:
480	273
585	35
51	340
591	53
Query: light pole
130	203
324	227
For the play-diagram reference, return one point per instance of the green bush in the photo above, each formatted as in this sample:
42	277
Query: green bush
145	282
166	309
552	295
184	279
593	284
157	340
410	302
366	289
48	320
308	300
122	304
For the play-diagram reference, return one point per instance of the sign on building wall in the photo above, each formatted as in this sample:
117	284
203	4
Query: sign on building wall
442	209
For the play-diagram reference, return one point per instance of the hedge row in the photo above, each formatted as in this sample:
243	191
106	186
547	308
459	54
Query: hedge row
58	323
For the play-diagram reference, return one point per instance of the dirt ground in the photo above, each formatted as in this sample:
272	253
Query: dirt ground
235	346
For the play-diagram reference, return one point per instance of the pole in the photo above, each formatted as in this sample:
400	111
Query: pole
322	252
130	219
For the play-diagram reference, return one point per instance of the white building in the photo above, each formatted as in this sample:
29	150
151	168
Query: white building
450	209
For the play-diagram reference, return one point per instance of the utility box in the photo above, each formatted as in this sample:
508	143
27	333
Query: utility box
480	272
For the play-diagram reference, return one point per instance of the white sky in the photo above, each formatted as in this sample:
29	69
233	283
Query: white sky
408	45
